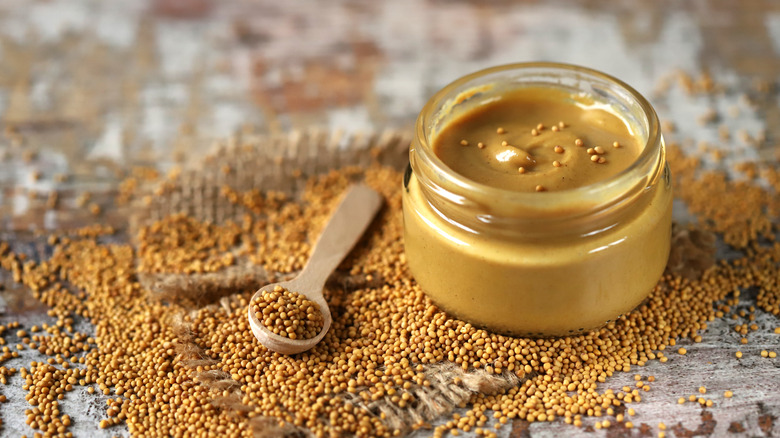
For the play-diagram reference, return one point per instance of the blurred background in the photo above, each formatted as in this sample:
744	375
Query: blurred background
91	88
95	91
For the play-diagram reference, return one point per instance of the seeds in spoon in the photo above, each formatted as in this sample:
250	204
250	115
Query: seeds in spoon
289	314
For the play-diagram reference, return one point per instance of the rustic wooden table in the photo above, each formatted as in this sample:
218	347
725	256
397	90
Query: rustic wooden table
90	88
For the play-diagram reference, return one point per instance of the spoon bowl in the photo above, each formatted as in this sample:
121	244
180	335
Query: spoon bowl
344	229
281	344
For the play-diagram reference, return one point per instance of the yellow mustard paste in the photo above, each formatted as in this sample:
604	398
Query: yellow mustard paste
537	139
534	211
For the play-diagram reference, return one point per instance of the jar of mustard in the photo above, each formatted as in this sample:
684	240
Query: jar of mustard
537	201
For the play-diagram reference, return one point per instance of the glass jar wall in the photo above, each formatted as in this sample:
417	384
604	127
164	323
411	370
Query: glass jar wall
539	264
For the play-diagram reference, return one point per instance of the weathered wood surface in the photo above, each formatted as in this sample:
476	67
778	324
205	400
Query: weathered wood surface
89	88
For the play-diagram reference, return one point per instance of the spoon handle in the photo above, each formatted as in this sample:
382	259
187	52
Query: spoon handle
344	229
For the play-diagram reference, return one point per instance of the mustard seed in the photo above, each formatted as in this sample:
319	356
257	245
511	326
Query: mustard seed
388	338
288	314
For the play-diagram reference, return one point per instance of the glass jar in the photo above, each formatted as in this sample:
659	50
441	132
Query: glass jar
537	264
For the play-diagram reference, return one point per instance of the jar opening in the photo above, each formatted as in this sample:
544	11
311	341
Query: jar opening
482	86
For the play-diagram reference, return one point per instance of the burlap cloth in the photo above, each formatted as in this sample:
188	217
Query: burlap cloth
283	164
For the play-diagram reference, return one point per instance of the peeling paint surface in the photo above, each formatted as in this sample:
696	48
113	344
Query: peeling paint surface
91	88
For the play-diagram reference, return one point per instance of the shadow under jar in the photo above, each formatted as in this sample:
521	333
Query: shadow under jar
546	263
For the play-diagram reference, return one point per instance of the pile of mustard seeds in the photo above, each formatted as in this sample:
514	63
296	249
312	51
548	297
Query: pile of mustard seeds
289	314
391	360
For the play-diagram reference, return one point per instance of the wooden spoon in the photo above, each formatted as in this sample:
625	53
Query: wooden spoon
342	232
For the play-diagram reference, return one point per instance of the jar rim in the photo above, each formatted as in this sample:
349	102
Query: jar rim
548	200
